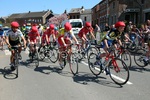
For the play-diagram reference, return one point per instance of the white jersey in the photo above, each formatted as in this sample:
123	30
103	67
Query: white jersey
14	36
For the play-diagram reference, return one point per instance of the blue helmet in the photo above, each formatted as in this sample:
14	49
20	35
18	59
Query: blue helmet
55	28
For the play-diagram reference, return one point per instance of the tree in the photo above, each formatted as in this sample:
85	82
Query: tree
57	20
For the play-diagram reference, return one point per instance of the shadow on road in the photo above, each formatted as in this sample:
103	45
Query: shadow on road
139	69
85	79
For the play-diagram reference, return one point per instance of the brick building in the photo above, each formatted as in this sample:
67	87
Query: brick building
40	17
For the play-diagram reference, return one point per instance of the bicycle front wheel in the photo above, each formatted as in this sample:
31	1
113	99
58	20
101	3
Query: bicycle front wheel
119	71
126	57
53	55
94	65
73	63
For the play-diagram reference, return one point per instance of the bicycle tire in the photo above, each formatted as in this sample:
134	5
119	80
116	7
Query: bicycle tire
95	69
36	58
92	50
53	55
41	53
120	75
139	57
73	63
62	63
126	57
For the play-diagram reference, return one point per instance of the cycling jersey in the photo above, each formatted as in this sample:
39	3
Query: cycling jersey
67	35
112	35
1	33
84	30
33	36
14	37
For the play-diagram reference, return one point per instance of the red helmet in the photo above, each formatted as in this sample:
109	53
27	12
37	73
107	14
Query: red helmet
34	29
51	26
14	24
120	24
67	26
88	24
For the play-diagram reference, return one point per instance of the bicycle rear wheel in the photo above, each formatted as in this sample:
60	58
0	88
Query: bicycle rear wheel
119	72
73	63
139	57
126	57
92	50
94	65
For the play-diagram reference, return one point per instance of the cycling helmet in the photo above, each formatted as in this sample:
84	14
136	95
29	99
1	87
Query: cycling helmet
14	24
51	26
88	24
56	28
34	29
120	24
67	26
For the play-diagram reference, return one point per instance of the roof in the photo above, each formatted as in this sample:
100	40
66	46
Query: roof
29	14
75	10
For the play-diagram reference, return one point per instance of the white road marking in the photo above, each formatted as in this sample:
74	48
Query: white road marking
7	52
129	83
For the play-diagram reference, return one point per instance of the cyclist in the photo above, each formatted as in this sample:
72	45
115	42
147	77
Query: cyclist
46	35
112	38
13	37
1	37
146	33
84	31
65	37
33	36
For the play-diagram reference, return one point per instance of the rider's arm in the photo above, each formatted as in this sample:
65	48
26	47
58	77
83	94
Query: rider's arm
74	38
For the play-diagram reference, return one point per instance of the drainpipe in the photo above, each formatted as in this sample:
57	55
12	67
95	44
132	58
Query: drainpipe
141	8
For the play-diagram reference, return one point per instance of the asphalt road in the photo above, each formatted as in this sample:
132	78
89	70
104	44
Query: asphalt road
48	82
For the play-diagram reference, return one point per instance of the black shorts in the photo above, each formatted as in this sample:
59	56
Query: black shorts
13	43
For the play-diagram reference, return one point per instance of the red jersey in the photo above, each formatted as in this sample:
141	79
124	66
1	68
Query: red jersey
84	30
33	36
49	32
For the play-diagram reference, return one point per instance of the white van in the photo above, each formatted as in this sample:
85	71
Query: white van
77	25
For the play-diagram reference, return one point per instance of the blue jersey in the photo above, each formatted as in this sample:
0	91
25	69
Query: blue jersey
1	33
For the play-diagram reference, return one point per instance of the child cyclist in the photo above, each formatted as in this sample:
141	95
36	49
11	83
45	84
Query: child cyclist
33	36
84	31
65	37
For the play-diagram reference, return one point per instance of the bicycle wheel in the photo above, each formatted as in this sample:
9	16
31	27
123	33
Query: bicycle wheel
126	57
94	65
41	52
139	57
92	50
62	62
36	59
73	63
119	72
53	55
16	60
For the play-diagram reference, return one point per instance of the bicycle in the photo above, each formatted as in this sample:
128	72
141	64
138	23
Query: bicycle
16	59
50	51
139	57
82	53
113	66
124	54
65	56
34	56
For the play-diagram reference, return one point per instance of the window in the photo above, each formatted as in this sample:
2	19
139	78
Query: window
85	18
113	5
142	1
76	24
